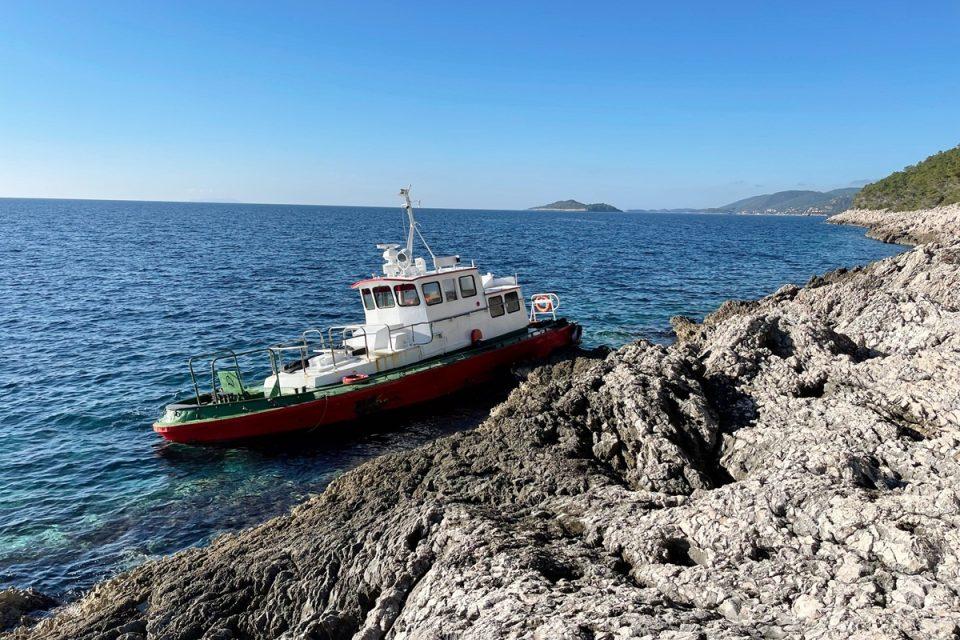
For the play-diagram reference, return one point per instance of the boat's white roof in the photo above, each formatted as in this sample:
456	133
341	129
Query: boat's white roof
435	273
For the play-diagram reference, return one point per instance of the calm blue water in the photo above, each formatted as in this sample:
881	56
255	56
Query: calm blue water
102	302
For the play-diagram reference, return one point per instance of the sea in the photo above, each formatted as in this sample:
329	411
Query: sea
102	302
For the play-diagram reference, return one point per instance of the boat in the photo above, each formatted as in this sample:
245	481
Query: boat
428	331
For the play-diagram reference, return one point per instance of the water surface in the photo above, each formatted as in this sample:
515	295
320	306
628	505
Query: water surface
102	302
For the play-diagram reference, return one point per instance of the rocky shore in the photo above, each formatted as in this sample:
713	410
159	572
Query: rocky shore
789	468
905	227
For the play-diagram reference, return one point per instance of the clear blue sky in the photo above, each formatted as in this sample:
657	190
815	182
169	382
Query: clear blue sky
480	104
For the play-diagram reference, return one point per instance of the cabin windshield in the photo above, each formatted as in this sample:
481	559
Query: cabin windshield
496	306
383	297
431	293
407	295
367	299
512	301
449	289
468	286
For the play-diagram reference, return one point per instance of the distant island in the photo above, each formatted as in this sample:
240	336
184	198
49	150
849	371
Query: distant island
573	205
803	203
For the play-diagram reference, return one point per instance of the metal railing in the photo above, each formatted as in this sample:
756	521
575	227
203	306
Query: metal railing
430	323
311	331
543	304
274	355
216	356
335	339
343	340
413	334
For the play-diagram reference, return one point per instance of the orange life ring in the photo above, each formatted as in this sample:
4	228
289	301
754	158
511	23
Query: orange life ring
543	304
354	378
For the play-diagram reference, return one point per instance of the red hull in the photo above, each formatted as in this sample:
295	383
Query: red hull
411	389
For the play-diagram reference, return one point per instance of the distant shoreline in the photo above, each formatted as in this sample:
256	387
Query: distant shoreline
731	213
370	206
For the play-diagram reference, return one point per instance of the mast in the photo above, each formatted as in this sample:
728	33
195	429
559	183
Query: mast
411	222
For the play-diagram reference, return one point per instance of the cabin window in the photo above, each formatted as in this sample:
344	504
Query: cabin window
383	297
495	303
468	286
512	302
449	289
367	299
431	293
407	295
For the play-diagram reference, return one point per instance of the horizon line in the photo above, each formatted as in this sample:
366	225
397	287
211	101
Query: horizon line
717	209
228	202
368	206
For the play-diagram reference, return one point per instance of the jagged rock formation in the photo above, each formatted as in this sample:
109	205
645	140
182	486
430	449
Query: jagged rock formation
789	468
16	605
905	227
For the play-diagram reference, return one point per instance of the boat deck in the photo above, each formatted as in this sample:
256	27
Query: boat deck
255	400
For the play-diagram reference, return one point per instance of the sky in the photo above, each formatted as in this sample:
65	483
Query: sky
477	105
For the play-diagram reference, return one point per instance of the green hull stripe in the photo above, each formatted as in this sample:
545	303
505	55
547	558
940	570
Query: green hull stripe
256	402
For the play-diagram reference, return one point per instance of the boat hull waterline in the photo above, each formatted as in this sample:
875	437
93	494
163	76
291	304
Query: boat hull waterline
392	390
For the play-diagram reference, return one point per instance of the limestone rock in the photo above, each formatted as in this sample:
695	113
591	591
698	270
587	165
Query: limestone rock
790	468
905	227
17	605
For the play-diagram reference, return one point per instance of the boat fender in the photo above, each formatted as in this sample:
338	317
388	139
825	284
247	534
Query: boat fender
354	378
577	334
476	336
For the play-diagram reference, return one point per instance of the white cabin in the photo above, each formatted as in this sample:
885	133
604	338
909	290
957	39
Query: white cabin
411	313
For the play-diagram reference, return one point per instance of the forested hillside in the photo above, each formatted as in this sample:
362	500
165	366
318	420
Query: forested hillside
933	182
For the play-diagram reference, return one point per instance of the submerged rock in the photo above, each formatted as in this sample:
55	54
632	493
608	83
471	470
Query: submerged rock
17	606
790	468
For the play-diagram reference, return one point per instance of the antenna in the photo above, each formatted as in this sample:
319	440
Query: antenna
413	228
412	223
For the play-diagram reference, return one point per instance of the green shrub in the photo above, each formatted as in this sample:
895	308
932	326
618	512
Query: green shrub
933	182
